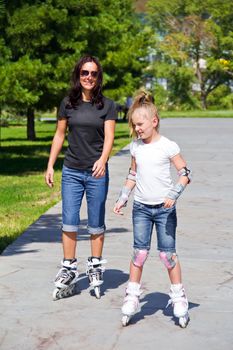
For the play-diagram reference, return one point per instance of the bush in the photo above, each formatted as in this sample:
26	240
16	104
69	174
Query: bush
4	123
220	98
160	96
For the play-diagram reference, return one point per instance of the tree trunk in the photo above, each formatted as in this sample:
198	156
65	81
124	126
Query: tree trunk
0	127
199	74
31	134
203	100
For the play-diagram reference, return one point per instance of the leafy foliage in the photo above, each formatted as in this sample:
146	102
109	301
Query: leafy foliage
196	42
42	40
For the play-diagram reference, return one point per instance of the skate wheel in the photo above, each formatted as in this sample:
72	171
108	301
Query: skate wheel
183	321
56	294
97	292
125	320
71	290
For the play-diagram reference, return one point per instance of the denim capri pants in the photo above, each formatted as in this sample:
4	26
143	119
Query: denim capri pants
145	217
74	184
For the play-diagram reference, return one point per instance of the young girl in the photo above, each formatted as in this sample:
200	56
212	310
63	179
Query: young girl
154	204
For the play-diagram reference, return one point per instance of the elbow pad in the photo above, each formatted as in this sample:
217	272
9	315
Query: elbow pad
186	172
131	175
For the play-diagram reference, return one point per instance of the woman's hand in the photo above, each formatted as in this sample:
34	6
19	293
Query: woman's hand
99	168
49	176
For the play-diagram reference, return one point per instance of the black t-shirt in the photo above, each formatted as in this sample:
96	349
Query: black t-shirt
85	132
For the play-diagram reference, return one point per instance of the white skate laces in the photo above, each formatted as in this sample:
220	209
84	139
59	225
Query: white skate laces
178	300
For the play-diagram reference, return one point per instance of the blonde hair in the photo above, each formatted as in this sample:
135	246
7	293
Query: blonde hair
145	100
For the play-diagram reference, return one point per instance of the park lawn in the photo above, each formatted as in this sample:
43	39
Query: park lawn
23	193
197	114
23	199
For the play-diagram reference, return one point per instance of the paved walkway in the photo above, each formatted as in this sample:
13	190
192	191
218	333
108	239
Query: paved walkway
31	320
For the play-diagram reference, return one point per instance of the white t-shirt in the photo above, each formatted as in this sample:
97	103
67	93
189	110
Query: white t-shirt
153	179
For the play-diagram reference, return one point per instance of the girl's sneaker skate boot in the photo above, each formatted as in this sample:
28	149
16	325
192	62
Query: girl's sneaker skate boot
179	302
131	302
95	272
65	280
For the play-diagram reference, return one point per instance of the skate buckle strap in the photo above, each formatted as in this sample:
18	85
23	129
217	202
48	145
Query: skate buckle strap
129	297
175	300
95	266
133	292
96	262
70	264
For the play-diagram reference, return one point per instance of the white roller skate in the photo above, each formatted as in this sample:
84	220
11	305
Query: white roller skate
95	272
131	302
179	302
65	280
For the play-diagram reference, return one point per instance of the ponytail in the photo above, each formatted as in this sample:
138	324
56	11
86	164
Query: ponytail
142	100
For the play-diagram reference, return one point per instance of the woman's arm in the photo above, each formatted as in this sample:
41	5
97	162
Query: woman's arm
99	166
56	147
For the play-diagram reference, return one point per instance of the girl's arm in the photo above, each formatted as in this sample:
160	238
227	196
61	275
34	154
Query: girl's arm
56	147
99	166
184	178
127	188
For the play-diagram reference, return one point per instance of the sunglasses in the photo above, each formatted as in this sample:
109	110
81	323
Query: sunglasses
85	73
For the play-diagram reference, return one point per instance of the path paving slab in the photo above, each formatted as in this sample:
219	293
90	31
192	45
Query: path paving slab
31	320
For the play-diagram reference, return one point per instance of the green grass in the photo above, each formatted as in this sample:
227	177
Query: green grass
197	114
23	193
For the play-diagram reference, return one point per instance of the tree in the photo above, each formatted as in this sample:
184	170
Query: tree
196	36
48	37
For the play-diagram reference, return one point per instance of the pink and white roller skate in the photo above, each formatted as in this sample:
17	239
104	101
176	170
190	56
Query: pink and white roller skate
179	302
131	302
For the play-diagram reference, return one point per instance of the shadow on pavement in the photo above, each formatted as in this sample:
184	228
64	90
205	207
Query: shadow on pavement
48	230
154	302
113	278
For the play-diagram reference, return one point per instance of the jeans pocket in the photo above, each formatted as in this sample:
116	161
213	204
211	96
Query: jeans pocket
137	205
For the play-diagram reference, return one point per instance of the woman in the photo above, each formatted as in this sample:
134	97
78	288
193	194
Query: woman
90	119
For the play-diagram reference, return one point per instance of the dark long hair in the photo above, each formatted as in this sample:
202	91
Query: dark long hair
75	93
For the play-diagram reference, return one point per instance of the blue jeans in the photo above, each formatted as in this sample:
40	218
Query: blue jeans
74	184
165	220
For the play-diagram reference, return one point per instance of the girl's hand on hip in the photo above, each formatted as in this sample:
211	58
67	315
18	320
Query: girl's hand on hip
98	168
168	203
49	177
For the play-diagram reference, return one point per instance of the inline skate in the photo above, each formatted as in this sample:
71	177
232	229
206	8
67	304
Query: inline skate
179	302
95	272
65	280
131	302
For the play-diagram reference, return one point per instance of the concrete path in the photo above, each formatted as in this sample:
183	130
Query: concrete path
31	320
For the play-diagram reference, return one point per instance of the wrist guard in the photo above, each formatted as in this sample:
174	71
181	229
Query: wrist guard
124	195
176	191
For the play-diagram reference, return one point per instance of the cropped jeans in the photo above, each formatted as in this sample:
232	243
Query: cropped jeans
74	184
145	217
